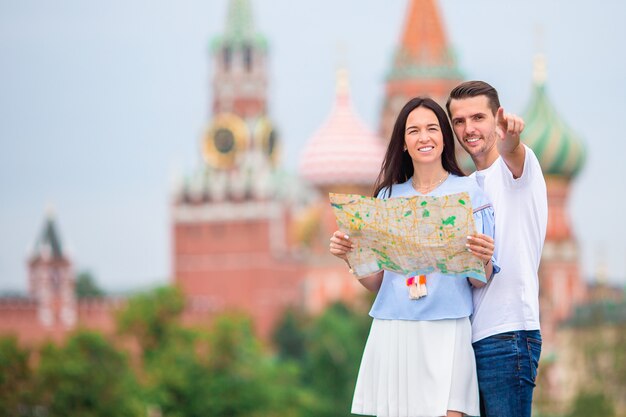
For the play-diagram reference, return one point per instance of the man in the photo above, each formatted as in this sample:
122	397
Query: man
505	323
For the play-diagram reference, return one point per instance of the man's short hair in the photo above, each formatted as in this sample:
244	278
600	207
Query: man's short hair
470	89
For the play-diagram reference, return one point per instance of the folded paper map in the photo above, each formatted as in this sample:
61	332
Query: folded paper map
411	236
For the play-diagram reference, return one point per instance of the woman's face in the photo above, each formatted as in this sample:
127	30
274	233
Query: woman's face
422	136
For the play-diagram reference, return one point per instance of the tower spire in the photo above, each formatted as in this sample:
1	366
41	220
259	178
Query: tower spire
239	22
48	243
423	39
540	72
424	64
342	85
51	278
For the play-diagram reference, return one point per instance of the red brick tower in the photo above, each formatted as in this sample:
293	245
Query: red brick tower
51	309
231	218
51	281
423	63
562	155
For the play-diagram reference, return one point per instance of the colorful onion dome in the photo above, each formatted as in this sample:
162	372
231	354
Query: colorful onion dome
559	150
343	151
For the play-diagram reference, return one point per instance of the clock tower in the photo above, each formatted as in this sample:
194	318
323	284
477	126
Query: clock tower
231	217
240	128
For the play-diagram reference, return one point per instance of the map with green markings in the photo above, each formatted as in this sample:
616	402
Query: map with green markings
411	236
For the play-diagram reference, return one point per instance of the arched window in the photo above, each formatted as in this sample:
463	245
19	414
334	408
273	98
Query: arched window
55	280
247	57
227	57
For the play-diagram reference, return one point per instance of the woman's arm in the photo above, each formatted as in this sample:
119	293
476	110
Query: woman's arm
372	282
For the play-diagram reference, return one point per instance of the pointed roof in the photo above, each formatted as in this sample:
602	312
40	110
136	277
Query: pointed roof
424	50
344	150
48	244
559	149
423	35
240	28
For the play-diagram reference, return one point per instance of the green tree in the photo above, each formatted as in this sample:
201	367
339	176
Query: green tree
152	318
592	404
15	377
598	334
223	372
176	378
290	336
86	286
245	382
87	377
335	347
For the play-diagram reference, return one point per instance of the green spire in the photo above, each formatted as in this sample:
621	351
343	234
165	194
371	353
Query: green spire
240	29
558	148
239	24
49	239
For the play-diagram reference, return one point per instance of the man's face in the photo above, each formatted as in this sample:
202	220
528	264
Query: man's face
474	125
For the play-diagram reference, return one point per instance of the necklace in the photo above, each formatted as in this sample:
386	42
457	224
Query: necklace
427	188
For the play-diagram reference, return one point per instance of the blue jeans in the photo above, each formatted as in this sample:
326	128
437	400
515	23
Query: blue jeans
507	368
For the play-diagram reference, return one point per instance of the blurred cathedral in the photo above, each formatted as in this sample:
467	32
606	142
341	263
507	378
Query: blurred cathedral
248	236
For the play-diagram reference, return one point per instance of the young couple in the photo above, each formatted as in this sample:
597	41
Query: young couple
423	356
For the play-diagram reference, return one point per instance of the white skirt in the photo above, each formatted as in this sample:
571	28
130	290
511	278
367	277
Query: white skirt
417	369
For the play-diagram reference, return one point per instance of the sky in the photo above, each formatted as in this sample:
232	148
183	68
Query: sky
102	104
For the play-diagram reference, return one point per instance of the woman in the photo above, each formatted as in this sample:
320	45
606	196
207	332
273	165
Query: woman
418	360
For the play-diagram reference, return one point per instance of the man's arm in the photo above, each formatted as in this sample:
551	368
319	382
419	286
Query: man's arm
510	127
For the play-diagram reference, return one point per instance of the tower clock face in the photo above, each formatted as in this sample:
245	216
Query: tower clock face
266	138
225	139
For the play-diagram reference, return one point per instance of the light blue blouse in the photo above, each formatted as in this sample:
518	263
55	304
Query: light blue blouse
448	297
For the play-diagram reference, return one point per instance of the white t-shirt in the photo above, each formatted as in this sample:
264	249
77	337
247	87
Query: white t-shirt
511	300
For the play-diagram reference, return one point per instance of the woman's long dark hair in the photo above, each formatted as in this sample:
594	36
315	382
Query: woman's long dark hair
397	166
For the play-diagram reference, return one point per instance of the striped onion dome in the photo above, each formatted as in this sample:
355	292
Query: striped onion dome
559	150
343	151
